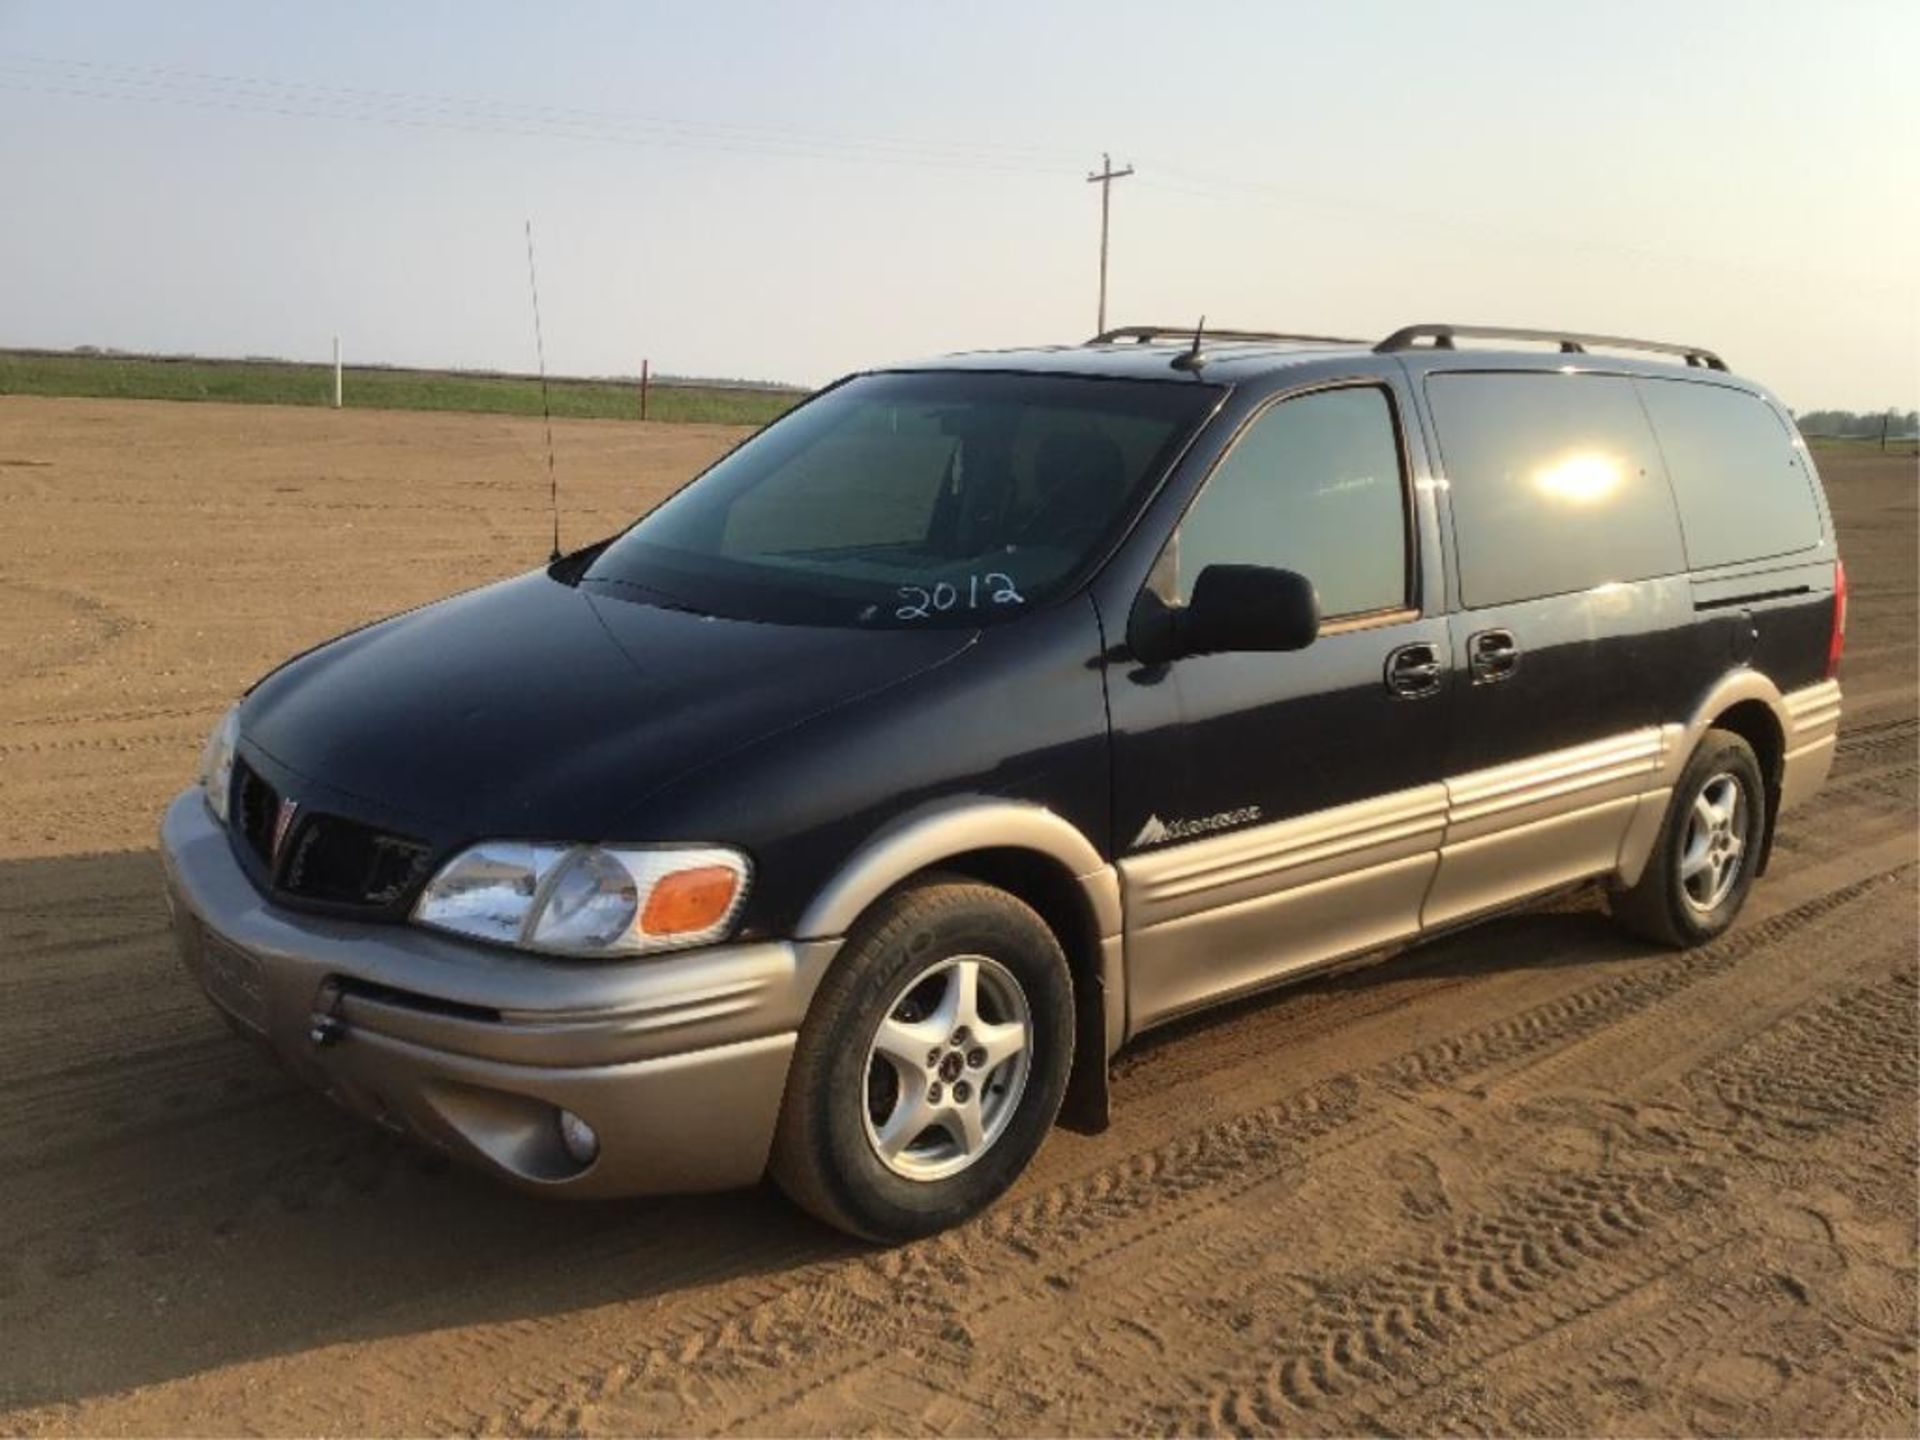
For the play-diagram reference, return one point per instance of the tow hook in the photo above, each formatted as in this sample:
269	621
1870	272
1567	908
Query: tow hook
326	1030
326	1027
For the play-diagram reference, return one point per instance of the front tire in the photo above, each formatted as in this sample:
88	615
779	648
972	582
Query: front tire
1702	867
931	1065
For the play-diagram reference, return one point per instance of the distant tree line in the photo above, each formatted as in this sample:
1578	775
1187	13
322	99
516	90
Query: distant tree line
1841	424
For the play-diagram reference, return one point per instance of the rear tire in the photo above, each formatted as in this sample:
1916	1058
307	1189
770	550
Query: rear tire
1713	835
931	1064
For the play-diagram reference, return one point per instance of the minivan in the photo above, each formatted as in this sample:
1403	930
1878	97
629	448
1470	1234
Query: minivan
843	816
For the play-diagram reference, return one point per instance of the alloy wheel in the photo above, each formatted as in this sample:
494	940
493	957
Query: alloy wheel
947	1066
1714	851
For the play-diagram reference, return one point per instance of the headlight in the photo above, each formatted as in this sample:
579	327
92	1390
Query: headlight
587	899
216	763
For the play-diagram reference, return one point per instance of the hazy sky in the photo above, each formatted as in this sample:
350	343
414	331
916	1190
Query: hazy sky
793	191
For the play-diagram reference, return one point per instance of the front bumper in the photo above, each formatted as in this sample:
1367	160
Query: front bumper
678	1062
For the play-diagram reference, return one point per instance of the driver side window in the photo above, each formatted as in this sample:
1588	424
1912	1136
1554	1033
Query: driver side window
1315	485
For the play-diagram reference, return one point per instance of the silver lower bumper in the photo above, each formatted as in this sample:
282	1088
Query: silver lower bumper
677	1062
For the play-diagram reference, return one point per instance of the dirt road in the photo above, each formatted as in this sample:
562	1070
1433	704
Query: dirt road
1532	1178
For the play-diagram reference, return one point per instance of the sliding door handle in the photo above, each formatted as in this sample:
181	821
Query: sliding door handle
1492	655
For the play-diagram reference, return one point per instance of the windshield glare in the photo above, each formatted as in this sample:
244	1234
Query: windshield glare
912	499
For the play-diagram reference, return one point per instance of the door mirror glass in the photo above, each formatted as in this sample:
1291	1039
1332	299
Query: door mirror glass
1235	608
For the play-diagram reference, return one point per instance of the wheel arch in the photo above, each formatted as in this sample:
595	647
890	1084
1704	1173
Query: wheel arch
1752	707
1744	701
1040	858
1755	722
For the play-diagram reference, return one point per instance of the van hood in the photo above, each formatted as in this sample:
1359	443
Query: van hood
540	710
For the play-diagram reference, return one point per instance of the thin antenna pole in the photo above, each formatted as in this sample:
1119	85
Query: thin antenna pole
546	409
1104	178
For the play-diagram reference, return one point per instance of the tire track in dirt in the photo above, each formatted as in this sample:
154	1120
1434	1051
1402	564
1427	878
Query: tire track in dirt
93	744
839	1323
1585	1012
1497	1282
1223	1288
94	625
940	1286
1840	1063
1843	1063
1549	1256
761	1332
138	714
1724	1004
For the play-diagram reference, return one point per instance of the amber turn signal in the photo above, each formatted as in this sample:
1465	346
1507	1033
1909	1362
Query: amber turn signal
689	900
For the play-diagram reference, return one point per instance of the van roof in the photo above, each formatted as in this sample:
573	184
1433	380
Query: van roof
1235	356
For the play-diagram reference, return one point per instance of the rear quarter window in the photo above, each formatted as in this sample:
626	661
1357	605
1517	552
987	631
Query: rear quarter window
1556	484
1741	484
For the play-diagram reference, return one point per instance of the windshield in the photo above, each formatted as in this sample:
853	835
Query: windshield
916	499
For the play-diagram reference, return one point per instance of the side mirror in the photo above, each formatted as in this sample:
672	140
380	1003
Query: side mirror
1235	608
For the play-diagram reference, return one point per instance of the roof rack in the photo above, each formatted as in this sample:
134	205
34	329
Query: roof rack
1570	343
1147	334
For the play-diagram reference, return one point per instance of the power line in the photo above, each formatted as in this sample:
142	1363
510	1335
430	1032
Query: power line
299	99
95	80
1174	181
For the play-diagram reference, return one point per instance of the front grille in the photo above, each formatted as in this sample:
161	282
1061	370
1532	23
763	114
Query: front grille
255	806
342	862
325	860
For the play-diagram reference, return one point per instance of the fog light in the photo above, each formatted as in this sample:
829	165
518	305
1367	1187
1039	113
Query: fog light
583	1145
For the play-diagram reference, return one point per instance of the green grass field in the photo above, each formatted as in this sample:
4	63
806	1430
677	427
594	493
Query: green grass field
273	382
1857	445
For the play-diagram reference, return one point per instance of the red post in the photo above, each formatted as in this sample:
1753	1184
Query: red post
645	366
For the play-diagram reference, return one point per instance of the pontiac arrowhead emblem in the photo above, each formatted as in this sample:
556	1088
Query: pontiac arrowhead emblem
1152	833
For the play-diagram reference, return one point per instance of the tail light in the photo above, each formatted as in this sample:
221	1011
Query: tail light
1837	641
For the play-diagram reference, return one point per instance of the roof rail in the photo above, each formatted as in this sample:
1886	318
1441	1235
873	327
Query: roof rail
1570	343
1147	334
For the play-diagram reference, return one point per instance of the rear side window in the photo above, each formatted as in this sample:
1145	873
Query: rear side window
1743	490
1314	485
1555	481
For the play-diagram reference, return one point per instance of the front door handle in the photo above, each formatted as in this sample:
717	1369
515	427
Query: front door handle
1414	670
1492	655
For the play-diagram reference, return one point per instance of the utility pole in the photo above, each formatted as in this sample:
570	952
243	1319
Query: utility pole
1104	178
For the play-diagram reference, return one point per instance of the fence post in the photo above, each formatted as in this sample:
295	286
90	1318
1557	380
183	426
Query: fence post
1884	421
336	372
645	378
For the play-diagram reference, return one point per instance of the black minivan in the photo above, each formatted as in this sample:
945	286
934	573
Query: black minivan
843	816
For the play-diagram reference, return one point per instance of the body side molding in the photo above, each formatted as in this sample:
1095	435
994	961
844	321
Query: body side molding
1812	733
1236	911
1171	882
1530	825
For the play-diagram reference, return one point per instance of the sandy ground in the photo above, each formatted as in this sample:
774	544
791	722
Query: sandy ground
1532	1178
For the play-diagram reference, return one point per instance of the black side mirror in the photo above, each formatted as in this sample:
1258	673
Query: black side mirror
1234	608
